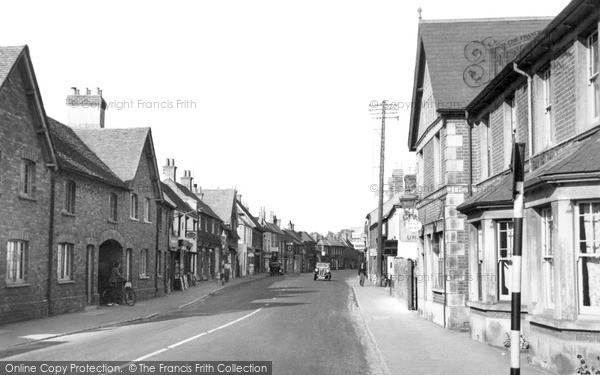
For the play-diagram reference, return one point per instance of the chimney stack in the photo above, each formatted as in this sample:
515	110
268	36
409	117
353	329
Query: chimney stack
186	179
85	111
272	217
170	170
262	214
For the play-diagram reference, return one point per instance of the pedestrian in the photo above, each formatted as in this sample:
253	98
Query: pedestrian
362	273
227	271
114	280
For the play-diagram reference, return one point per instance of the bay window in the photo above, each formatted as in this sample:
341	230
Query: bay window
504	243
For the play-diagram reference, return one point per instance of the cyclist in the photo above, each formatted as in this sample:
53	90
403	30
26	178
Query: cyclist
114	281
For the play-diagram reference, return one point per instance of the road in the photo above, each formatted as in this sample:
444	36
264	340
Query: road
303	326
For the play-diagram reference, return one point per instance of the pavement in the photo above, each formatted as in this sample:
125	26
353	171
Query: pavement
409	344
30	331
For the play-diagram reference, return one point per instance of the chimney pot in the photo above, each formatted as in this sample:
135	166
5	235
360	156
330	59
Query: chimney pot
98	91
88	91
77	91
73	90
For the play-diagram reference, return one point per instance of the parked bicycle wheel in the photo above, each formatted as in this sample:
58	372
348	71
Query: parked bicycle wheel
106	297
129	296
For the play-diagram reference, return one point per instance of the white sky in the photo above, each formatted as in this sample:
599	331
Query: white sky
281	88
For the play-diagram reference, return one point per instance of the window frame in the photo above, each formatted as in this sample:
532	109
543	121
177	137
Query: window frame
547	255
113	207
27	178
70	197
64	269
147	205
501	261
593	75
134	207
586	310
143	274
19	268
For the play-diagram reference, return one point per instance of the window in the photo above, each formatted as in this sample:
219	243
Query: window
70	197
504	245
143	263
15	260
479	263
112	203
548	256
128	264
160	260
593	74
133	212
27	177
438	260
147	210
485	150
589	257
437	164
65	261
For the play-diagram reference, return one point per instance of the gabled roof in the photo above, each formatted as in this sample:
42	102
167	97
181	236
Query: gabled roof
251	220
8	58
388	206
120	149
306	237
538	51
221	201
293	236
331	242
273	228
457	54
12	58
181	190
76	156
180	205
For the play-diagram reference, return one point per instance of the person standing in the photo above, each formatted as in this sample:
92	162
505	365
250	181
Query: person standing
362	273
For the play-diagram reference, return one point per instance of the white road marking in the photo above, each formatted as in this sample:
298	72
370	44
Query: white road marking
195	337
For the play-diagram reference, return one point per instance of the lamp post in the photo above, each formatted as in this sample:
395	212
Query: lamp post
221	260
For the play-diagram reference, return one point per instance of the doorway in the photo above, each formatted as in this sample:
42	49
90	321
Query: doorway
110	252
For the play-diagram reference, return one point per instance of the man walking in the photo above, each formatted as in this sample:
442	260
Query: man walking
362	273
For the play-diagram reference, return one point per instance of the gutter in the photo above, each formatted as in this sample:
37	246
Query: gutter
529	112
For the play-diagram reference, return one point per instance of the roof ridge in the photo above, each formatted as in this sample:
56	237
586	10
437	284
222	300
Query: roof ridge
489	19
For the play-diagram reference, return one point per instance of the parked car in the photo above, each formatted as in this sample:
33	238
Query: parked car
322	272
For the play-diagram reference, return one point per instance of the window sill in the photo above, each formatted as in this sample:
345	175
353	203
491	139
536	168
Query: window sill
66	282
438	290
67	213
583	323
502	306
144	277
111	221
27	197
17	285
134	219
147	222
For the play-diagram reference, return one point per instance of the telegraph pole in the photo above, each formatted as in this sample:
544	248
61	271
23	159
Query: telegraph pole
384	105
515	317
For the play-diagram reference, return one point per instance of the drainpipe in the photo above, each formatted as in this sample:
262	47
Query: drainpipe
156	255
529	111
51	241
470	187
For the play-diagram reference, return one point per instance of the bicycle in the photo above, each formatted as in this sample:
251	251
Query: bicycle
125	291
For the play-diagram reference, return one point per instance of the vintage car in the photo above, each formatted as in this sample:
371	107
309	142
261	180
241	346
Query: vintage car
322	272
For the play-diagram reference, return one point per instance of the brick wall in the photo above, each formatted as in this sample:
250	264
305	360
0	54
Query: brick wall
22	219
563	81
